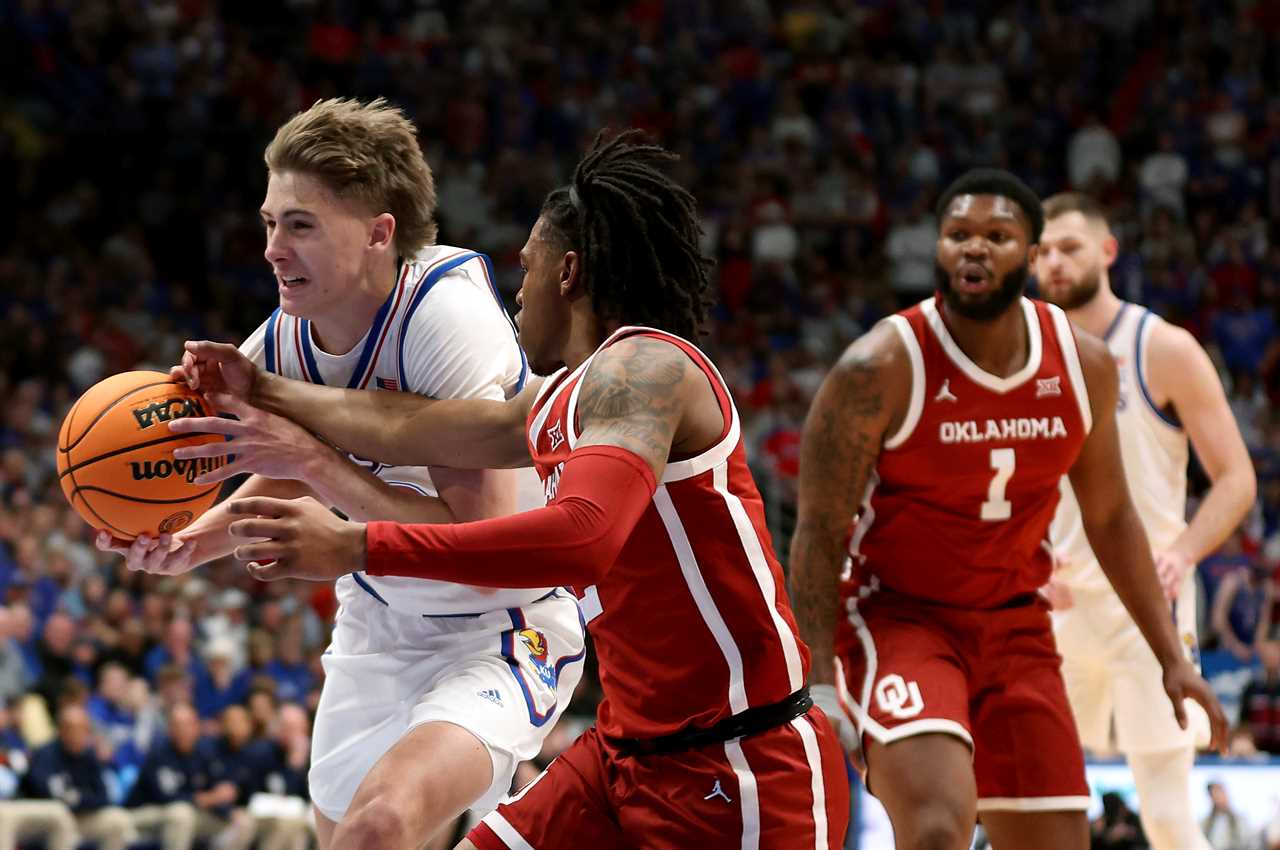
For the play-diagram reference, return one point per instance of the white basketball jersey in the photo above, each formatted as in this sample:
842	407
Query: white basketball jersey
1155	453
444	333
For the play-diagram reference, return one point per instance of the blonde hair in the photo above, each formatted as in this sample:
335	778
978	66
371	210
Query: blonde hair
364	152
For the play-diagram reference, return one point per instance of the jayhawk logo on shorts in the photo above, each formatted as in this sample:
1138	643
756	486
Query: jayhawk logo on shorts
536	642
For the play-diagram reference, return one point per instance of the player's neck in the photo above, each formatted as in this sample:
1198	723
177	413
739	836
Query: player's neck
1097	315
1000	346
586	333
337	333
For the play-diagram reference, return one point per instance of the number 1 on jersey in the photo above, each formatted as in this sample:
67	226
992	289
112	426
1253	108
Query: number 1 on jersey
997	507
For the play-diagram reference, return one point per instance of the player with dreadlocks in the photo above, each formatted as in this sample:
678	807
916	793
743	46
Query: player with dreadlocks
706	736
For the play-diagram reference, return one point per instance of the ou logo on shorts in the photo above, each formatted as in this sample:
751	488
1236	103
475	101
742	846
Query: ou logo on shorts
899	697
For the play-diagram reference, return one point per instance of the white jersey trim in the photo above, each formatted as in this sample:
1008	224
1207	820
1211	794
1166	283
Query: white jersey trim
1033	804
535	427
702	597
719	453
763	575
972	370
814	757
505	831
1141	336
858	708
916	405
748	794
1071	356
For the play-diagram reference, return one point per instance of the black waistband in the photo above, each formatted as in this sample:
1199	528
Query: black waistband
750	722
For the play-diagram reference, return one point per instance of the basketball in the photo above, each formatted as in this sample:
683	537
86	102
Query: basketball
115	456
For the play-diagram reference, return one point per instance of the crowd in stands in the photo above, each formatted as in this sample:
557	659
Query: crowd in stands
816	136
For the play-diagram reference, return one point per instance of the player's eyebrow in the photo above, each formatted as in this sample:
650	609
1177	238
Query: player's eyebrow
285	214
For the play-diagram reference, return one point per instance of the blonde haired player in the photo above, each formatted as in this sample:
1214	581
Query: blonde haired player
434	691
1169	395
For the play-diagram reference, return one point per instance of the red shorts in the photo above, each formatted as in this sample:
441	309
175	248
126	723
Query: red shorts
784	789
991	678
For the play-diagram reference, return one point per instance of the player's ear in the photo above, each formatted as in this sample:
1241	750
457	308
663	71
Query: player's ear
1110	250
570	273
382	232
1033	251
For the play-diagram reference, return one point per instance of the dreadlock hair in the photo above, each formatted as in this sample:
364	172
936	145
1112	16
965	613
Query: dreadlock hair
636	231
995	181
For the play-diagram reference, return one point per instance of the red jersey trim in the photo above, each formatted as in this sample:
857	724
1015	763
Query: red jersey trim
918	382
972	370
1071	357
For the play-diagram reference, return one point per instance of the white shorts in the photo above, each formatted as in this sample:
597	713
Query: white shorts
1111	673
506	676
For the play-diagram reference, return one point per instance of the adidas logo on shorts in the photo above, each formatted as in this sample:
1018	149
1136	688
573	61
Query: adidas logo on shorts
491	695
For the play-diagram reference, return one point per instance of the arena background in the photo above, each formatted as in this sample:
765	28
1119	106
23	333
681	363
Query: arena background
815	135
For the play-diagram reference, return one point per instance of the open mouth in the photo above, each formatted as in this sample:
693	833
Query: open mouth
291	281
972	277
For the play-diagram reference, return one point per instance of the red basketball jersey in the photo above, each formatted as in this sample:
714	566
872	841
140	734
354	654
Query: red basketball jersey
691	624
958	509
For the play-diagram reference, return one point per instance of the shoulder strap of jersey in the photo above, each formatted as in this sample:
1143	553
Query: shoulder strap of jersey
429	278
729	436
269	347
1146	323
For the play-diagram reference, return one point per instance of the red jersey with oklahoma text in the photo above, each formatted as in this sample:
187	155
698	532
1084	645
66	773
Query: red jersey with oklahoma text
959	507
691	624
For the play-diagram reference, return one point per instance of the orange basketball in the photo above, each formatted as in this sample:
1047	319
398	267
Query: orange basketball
115	456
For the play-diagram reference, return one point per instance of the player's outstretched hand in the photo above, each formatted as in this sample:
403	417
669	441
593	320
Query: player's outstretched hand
216	367
1183	682
1172	569
262	442
166	555
295	538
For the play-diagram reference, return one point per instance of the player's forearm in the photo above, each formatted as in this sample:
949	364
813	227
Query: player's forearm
1223	509
209	532
1124	554
603	494
400	428
362	496
816	559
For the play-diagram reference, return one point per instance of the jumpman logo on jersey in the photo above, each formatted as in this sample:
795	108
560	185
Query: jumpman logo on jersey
945	393
717	791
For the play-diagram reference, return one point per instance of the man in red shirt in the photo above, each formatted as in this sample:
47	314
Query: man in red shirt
946	430
706	736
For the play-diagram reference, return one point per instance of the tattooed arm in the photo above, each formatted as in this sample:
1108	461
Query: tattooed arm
642	395
638	398
862	399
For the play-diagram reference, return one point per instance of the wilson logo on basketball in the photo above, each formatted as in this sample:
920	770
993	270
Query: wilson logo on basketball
163	411
188	469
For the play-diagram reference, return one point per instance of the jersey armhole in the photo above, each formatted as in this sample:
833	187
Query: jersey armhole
916	404
1071	358
1140	338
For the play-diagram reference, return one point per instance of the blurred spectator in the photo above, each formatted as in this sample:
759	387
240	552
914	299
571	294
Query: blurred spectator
15	679
1093	156
1242	609
1223	826
1260	702
69	771
1163	176
176	794
114	718
177	649
236	759
225	684
55	657
279	807
1117	828
289	669
911	248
